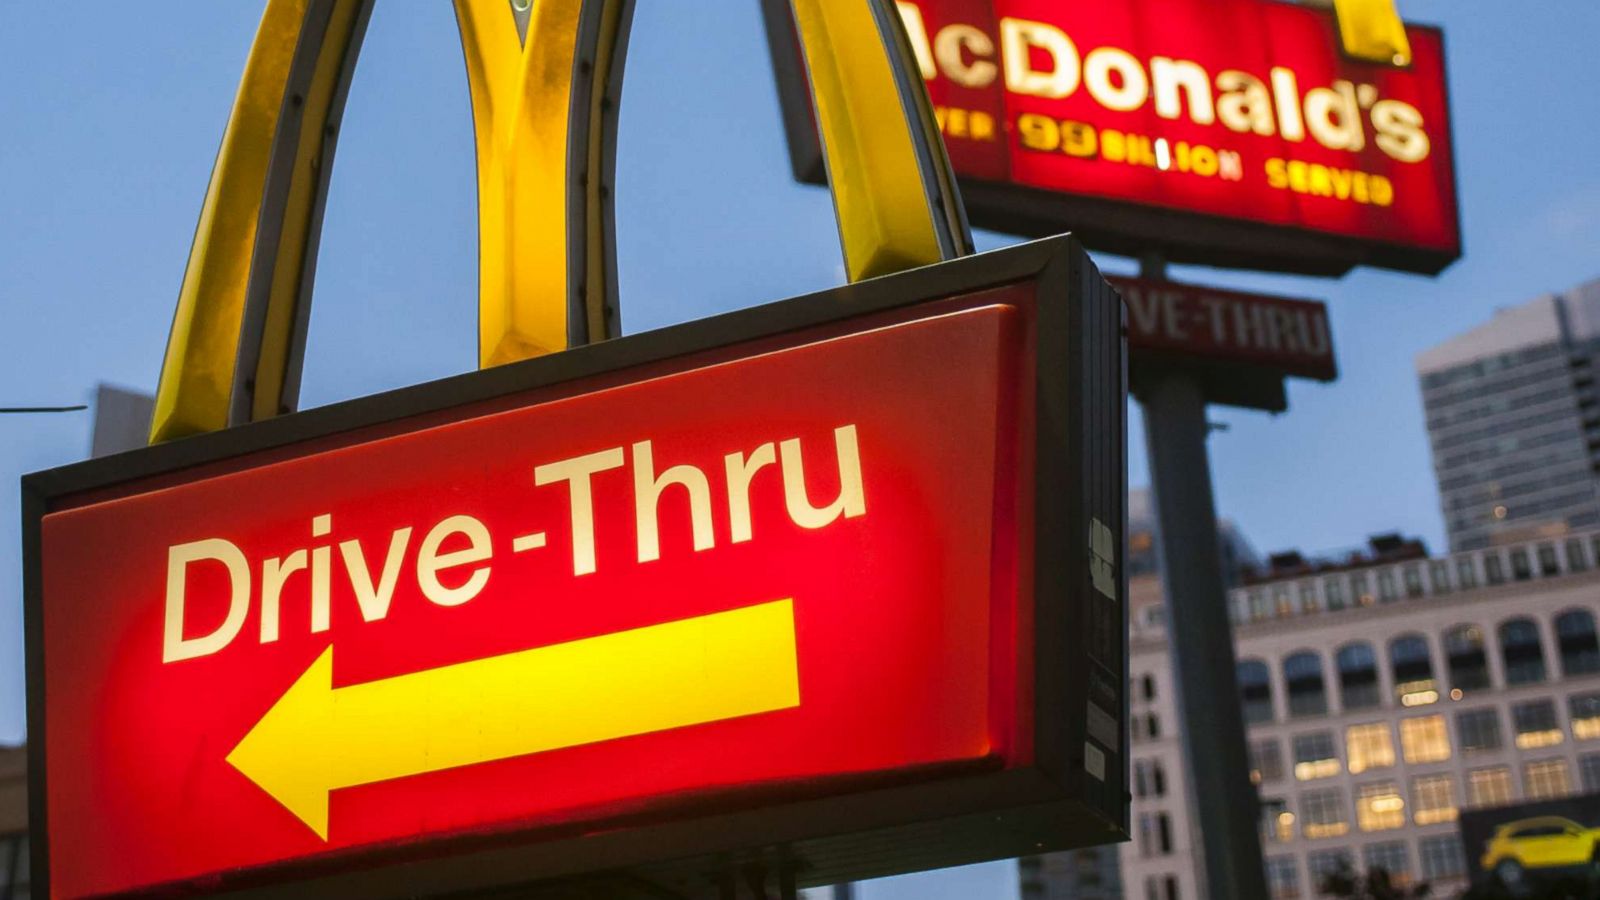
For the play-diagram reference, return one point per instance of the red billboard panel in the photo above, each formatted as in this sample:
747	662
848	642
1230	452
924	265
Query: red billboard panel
1218	131
782	557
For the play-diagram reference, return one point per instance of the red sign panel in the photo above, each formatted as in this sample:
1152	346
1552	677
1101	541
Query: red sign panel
791	564
1204	325
1140	123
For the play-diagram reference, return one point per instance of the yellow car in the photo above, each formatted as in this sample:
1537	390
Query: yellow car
1546	842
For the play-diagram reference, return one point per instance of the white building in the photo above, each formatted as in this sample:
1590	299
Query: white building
1383	693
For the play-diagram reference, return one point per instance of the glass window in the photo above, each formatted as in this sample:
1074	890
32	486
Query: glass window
1469	666
1548	565
1478	730
1360	589
1585	714
1576	560
1466	574
1308	597
1380	807
1322	813
1386	588
1368	746
1283	877
1433	799
1255	690
1424	739
1439	574
1413	579
1580	651
1149	685
1521	569
1314	756
1442	857
1546	779
1266	760
1519	645
1589	771
1493	570
1358	676
1536	725
1413	670
1322	863
1489	787
1280	600
1390	858
1302	673
1277	823
1258	604
1333	590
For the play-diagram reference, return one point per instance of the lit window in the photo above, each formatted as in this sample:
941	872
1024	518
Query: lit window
1585	709
1478	730
1424	739
1360	593
1368	747
1489	787
1580	650
1322	813
1413	671
1433	799
1379	807
1391	858
1358	676
1277	823
1546	779
1524	657
1442	857
1266	760
1536	725
1314	756
1283	877
1302	675
1469	666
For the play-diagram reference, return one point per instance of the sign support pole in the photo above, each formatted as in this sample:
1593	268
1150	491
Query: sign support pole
1200	634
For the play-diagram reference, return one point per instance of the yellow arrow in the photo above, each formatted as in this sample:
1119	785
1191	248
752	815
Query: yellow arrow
318	738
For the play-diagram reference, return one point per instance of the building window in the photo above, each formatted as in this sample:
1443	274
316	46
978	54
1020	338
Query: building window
1469	666
1424	739
1368	747
1548	565
1258	605
1413	670
1442	857
1413	580
1489	787
1439	574
1360	590
1585	715
1280	601
1322	863
1519	646
1536	725
1589	772
1283	877
1266	761
1546	779
1302	673
1493	571
1308	597
1322	813
1386	588
1379	807
1576	559
1580	651
1521	569
1314	756
1358	676
1333	590
1389	857
1466	573
1478	730
1255	690
1155	834
1152	726
1433	799
1277	823
1149	685
14	879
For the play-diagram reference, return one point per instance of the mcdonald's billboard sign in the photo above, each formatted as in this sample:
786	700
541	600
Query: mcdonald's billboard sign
1258	133
829	587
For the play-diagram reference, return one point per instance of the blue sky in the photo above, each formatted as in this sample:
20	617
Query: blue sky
110	117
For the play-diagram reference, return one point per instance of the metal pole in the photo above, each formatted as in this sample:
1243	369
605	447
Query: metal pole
1200	634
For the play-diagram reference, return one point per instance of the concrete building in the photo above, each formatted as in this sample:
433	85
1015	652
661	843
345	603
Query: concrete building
1513	415
1384	691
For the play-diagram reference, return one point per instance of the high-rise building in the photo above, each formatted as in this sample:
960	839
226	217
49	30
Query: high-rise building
1514	419
1384	691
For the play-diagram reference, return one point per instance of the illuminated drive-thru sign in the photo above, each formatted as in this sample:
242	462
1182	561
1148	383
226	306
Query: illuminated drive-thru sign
1229	132
839	573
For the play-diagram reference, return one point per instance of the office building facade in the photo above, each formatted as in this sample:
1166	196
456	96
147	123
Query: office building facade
1513	415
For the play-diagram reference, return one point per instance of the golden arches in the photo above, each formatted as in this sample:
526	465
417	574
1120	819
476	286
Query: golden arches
544	79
